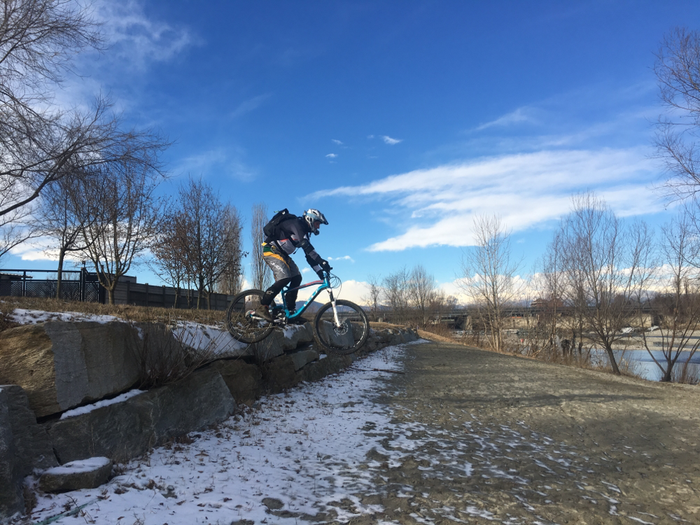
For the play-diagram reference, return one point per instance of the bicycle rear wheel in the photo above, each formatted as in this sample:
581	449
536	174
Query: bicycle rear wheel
241	320
349	335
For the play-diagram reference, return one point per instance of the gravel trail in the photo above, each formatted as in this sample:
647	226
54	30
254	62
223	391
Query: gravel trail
478	437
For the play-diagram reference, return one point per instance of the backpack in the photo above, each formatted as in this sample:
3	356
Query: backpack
271	229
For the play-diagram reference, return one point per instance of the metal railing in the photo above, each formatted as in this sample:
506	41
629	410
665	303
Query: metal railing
76	285
81	285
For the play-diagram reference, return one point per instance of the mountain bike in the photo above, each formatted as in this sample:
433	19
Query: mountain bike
339	326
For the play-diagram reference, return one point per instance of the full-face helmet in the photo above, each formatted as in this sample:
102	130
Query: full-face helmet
314	218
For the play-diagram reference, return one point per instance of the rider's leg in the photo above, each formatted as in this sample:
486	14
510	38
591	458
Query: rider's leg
283	270
292	294
273	290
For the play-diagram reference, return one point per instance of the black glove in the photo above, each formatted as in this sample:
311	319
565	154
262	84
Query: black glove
325	266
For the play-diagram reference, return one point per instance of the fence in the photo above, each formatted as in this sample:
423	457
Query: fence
81	285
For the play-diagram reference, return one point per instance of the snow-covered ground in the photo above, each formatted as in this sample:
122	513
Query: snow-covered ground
300	450
211	339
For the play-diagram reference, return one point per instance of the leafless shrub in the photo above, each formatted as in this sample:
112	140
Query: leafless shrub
166	356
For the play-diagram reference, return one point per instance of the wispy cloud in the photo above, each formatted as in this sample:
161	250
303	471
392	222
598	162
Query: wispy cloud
131	34
331	156
249	105
388	140
229	161
518	116
336	141
526	190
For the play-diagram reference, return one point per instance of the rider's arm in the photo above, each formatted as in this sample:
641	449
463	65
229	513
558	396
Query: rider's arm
312	257
300	239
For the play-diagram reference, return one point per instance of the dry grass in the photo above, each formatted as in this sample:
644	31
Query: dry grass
126	312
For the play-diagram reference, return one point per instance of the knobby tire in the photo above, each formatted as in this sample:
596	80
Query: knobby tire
351	334
240	325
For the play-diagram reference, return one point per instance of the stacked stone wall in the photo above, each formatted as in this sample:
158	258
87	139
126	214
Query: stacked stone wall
50	370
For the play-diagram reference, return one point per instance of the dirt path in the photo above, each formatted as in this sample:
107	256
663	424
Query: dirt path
478	437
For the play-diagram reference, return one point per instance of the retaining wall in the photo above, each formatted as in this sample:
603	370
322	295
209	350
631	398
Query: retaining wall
68	393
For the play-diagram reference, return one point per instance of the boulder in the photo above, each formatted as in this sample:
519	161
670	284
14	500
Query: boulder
62	365
243	380
76	475
303	357
128	429
284	372
281	340
331	364
24	446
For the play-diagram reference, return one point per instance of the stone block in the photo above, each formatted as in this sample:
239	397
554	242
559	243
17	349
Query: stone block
303	357
76	475
281	340
63	365
128	429
24	446
243	380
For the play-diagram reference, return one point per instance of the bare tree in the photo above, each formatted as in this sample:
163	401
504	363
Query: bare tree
122	220
203	238
421	290
375	293
489	272
231	280
441	304
40	142
395	287
261	272
604	265
61	218
677	69
550	306
676	307
169	249
37	39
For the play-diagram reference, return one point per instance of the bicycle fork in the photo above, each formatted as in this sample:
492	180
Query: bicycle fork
335	310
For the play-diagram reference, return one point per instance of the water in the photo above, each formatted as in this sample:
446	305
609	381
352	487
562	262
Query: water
643	365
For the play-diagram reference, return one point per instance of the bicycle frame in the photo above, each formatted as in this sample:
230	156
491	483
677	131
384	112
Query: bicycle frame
323	285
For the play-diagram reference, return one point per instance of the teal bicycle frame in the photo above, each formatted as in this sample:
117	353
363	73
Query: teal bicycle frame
323	285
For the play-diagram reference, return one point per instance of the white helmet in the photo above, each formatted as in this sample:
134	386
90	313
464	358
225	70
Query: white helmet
312	216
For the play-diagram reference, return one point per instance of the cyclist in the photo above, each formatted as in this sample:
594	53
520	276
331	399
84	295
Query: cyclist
290	234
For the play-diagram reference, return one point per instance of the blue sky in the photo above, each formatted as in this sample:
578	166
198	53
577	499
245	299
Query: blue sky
400	120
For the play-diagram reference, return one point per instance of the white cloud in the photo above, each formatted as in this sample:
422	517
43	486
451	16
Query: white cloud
132	35
388	140
336	141
331	156
518	116
343	258
219	160
525	190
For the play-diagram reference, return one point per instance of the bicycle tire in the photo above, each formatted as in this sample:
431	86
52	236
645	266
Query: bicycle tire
239	322
349	336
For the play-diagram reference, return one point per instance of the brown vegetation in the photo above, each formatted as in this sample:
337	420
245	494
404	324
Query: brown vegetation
125	312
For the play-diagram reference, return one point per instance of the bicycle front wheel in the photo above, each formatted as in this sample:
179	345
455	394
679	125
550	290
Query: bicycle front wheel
241	320
346	336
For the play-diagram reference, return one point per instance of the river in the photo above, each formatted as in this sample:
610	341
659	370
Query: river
643	365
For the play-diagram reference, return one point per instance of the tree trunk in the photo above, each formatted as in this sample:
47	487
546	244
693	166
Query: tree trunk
59	276
613	361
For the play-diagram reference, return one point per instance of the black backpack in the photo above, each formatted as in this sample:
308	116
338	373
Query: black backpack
271	229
